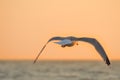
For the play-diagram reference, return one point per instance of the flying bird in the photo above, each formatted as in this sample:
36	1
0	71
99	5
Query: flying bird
71	41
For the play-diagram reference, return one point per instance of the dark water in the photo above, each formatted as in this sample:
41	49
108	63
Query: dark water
59	70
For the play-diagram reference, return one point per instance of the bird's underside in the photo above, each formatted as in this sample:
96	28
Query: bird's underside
71	41
66	43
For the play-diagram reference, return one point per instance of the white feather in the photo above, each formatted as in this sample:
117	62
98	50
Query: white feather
64	42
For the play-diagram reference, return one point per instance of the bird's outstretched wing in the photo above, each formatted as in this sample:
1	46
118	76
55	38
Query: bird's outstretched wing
53	38
97	46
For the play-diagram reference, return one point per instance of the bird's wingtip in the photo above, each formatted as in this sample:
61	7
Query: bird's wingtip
107	61
34	62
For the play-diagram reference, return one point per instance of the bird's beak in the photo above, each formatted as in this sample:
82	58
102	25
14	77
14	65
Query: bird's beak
76	43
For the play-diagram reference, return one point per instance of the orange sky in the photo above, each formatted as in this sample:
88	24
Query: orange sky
26	25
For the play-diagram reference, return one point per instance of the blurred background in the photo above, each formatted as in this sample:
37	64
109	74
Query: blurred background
26	25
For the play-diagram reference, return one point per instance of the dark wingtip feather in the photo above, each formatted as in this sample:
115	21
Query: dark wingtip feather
107	61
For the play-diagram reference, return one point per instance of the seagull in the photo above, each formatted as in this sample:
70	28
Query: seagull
71	41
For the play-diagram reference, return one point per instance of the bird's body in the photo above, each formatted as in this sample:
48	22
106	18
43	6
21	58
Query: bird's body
66	42
71	41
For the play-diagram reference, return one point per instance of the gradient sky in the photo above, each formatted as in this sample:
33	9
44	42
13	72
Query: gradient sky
26	25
